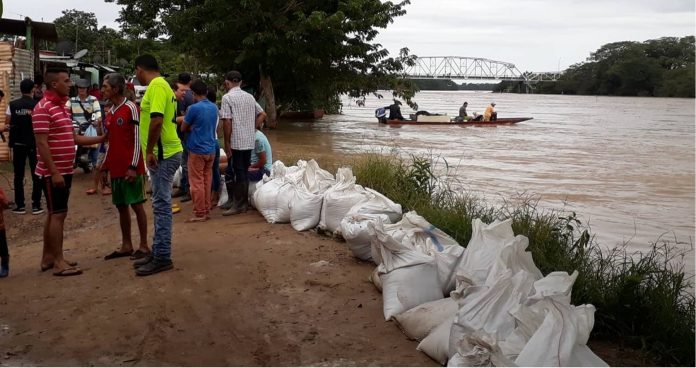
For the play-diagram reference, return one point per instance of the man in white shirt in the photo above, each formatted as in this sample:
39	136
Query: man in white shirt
240	114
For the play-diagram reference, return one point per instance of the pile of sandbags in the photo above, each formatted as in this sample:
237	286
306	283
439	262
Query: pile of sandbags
486	305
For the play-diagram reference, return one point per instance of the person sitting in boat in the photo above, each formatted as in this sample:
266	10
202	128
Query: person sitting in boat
476	117
490	114
462	113
395	111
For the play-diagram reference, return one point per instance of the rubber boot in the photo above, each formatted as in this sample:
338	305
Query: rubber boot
230	190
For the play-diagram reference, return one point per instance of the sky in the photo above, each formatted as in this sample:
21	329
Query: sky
535	35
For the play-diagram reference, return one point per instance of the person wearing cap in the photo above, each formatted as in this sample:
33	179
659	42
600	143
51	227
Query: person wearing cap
240	115
86	108
490	114
162	157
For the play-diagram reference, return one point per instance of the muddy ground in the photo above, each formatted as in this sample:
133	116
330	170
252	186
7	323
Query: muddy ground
243	292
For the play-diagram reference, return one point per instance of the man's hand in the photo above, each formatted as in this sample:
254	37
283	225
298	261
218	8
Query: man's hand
57	181
151	161
130	175
253	169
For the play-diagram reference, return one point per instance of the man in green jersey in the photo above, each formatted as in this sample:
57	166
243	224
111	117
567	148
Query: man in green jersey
162	156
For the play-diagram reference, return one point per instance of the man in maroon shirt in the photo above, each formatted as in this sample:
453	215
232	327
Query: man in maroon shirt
55	144
124	161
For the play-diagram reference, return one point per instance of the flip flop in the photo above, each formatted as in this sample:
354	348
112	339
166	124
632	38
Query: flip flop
138	254
196	219
91	191
70	271
46	268
117	254
106	192
175	208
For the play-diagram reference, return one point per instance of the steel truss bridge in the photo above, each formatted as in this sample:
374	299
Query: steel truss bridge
457	67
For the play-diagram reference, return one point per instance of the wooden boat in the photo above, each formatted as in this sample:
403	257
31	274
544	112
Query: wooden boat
500	121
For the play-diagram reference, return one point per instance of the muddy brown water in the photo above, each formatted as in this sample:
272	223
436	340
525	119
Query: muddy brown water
624	164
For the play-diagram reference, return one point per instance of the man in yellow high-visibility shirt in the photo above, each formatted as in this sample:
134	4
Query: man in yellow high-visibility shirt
162	158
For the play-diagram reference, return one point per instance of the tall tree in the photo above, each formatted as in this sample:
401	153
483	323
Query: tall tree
78	27
302	53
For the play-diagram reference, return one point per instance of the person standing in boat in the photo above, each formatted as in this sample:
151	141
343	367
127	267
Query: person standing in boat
490	114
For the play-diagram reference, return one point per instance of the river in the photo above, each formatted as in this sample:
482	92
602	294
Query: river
624	164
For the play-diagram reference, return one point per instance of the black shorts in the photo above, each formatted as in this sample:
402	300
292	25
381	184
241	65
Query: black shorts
57	198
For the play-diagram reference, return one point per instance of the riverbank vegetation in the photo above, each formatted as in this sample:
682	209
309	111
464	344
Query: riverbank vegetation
663	67
644	300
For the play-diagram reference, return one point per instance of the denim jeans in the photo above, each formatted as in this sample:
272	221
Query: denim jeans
162	178
237	176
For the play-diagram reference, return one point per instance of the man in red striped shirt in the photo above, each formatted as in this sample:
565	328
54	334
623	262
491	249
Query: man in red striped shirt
55	144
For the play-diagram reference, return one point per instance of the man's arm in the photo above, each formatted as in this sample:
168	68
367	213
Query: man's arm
260	163
260	118
156	121
185	127
82	140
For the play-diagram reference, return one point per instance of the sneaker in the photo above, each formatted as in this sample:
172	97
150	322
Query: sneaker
19	210
185	198
142	261
154	267
37	211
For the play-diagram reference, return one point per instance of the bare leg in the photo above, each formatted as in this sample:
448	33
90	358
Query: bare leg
125	220
97	180
141	217
47	255
55	231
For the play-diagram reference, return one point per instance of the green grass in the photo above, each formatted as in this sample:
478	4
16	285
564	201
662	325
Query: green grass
643	299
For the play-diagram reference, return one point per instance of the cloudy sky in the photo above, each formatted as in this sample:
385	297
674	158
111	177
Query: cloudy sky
536	35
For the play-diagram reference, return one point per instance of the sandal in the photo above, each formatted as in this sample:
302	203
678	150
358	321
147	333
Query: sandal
117	254
106	192
196	219
91	191
176	208
46	268
70	271
138	254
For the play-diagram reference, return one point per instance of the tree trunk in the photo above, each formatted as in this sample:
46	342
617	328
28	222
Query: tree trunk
266	86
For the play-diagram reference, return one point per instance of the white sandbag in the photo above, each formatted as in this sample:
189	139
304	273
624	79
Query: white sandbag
436	344
550	329
273	200
253	187
223	193
377	204
176	183
316	180
408	287
478	350
418	322
356	231
376	280
305	209
515	258
488	310
339	199
415	232
487	240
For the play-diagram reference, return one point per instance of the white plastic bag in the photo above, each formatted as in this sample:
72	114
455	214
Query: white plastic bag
436	344
316	180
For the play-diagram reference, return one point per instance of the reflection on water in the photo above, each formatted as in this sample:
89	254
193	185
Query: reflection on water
625	164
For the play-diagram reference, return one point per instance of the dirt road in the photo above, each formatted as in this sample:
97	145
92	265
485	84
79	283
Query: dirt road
243	292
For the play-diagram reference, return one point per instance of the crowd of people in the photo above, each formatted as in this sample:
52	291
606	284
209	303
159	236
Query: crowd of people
175	126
